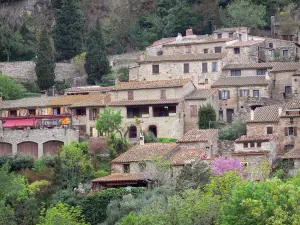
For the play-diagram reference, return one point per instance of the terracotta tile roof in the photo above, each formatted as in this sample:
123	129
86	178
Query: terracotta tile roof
198	136
293	154
27	102
198	42
87	89
201	94
230	29
286	66
266	114
121	177
250	66
244	43
263	138
294	104
252	152
240	81
189	57
145	102
163	41
186	156
149	151
151	84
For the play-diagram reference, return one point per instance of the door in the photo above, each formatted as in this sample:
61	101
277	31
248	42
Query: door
5	148
229	115
52	147
28	148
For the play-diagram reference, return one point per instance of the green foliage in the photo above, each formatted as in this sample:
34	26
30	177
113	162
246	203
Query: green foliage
109	121
234	131
67	196
94	206
100	173
117	145
43	163
36	186
167	140
245	13
17	162
11	89
45	63
150	137
206	114
62	214
68	29
96	63
6	214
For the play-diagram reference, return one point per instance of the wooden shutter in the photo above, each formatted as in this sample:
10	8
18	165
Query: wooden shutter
130	95
295	131
97	113
286	131
220	94
228	94
90	113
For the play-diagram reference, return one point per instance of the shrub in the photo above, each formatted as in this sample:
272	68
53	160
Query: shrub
17	162
234	131
99	173
167	140
43	163
150	137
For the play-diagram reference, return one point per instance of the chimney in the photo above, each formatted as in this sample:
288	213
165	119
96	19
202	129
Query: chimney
252	115
142	139
279	111
179	37
117	80
189	32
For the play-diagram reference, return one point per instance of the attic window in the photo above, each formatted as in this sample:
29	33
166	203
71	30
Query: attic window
126	168
269	130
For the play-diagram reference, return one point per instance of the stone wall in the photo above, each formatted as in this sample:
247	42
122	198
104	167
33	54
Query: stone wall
248	54
225	148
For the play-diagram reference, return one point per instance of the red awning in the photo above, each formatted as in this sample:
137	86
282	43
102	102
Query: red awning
20	123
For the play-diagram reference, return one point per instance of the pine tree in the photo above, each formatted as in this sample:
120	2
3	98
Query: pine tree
96	64
69	29
45	64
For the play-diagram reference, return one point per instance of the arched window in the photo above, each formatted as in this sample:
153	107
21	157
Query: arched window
153	129
132	132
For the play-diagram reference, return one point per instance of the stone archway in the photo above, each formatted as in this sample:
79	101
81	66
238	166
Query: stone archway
52	147
153	129
28	148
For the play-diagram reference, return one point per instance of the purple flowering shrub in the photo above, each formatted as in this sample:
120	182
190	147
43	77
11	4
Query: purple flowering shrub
222	165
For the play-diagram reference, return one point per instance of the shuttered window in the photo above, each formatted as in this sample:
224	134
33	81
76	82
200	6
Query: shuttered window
130	95
244	93
224	95
186	68
155	69
193	110
204	67
269	130
163	94
290	131
218	49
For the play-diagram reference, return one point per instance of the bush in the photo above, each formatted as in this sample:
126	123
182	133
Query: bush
99	173
43	163
150	137
17	162
234	131
167	140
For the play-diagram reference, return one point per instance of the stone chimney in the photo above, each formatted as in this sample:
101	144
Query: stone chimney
252	115
279	111
142	139
179	37
117	80
189	32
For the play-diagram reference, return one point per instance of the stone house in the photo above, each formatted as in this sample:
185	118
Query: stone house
294	157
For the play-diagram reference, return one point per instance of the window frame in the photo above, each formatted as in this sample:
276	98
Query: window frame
218	48
236	50
204	68
219	35
205	51
186	68
244	93
258	144
214	67
261	72
288	88
269	127
236	73
130	94
245	145
155	69
285	51
126	168
225	95
163	94
256	91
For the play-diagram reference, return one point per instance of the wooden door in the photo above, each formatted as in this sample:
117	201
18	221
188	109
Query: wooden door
28	148
52	147
5	148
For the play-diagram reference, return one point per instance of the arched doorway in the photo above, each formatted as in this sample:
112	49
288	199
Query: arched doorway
5	148
132	132
52	147
28	148
153	129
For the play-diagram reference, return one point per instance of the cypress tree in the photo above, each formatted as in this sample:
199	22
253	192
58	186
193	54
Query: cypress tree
206	114
69	29
96	64
45	64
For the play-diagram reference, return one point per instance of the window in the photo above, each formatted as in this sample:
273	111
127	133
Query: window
218	49
259	144
93	114
56	111
290	131
244	164
130	95
235	73
163	94
13	113
186	68
288	148
236	50
142	167
261	72
214	67
219	36
32	112
205	50
244	93
80	112
132	132
256	93
230	35
252	144
245	145
126	168
288	89
204	67
206	81
155	69
285	53
269	130
221	115
240	37
193	110
163	111
188	49
224	95
271	45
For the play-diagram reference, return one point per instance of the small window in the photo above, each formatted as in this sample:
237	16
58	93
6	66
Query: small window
245	145
32	112
219	36
193	111
252	145
218	49
244	164
206	81
230	35
204	67
235	73
214	67
130	95
236	50
244	93
186	68
288	148
271	45
288	89
224	95
142	167
256	93
155	69
269	130
13	113
205	50
291	131
285	53
240	37
126	168
261	72
163	94
259	144
188	49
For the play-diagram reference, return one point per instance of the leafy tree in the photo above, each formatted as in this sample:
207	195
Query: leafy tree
206	115
45	64
96	63
62	214
245	13
6	214
222	165
117	145
109	121
233	131
68	29
11	89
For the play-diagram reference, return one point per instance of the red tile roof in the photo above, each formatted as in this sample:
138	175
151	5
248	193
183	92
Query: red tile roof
240	81
263	138
199	136
201	94
186	156
250	66
149	151
121	177
244	43
293	154
286	66
145	102
198	41
252	152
